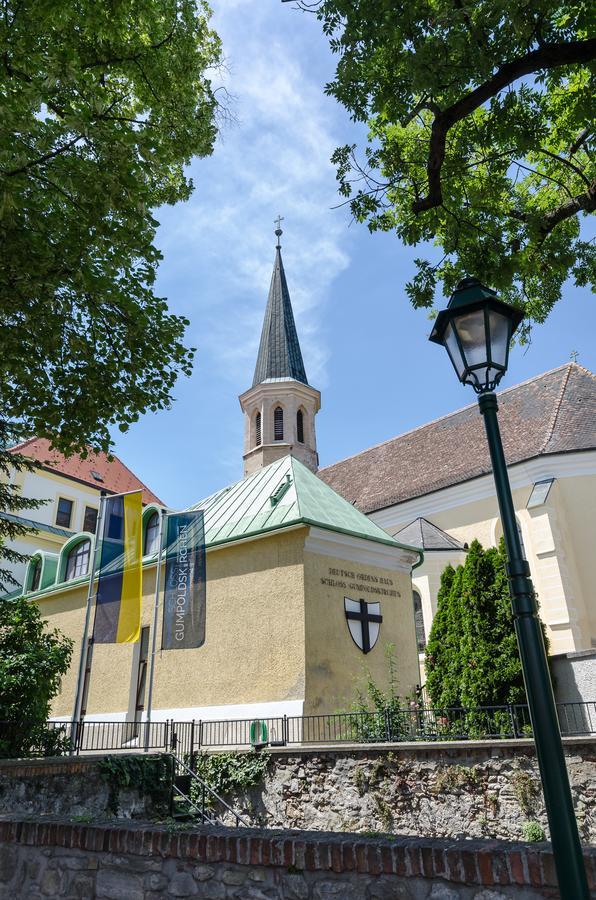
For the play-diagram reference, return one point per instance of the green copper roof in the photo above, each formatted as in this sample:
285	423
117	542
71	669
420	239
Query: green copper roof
279	351
282	494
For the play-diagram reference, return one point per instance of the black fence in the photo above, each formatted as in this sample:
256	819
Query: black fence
416	722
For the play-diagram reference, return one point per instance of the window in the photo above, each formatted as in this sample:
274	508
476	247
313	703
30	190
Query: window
90	519
258	429
77	562
300	426
35	574
64	512
278	424
540	491
151	544
419	621
142	671
96	475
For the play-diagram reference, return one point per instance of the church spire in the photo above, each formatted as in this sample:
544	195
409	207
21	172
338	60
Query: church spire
279	351
280	407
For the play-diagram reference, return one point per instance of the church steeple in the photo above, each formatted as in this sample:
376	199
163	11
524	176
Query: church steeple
280	407
279	351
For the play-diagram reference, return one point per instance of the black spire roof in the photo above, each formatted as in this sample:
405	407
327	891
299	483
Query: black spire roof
279	350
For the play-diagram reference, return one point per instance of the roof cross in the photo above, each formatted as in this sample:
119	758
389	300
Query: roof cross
278	231
573	355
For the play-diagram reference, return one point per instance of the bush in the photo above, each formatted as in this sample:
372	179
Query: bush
472	657
32	660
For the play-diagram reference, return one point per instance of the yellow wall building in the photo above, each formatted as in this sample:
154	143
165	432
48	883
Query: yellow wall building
277	637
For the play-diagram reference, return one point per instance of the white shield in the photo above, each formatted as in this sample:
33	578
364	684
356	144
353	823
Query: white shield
364	621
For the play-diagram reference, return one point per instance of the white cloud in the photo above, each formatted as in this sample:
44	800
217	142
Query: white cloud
273	159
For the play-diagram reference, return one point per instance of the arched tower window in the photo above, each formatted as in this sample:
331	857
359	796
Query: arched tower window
419	621
35	574
258	429
300	426
151	542
278	424
77	562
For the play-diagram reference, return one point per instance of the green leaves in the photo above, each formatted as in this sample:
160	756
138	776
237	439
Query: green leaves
472	657
481	137
32	660
102	107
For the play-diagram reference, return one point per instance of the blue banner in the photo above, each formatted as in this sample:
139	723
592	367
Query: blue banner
185	582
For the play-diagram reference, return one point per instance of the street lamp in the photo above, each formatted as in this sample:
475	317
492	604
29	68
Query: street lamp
476	330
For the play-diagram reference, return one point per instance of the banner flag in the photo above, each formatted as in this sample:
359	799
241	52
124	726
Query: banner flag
185	590
118	603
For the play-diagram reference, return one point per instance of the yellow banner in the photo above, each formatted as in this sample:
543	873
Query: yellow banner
129	620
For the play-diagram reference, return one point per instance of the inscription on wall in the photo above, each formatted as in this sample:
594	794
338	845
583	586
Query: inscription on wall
360	583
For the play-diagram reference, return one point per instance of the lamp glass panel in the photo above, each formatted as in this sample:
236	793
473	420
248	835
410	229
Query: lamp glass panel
500	327
472	335
454	351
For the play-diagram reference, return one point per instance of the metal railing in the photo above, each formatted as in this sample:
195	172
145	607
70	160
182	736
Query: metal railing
201	801
416	722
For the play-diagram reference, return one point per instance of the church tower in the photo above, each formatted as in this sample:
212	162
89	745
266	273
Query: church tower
280	407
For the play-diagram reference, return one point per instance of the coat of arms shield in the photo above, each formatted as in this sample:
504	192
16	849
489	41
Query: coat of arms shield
364	621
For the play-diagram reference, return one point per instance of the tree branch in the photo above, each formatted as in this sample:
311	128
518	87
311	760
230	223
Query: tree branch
585	201
548	56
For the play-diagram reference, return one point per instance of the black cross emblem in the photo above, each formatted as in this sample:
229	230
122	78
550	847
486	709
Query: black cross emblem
365	617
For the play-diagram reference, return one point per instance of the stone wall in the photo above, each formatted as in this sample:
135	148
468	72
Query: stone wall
451	790
69	786
64	860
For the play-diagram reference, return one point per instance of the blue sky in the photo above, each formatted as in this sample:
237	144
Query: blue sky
364	347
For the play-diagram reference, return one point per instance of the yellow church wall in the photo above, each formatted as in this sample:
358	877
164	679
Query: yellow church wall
254	641
333	661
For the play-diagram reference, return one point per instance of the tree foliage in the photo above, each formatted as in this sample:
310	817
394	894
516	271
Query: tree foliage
472	657
102	106
32	660
481	130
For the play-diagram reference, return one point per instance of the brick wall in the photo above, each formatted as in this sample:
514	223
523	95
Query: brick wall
135	862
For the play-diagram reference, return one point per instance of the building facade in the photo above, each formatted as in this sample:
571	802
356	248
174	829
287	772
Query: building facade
71	488
441	473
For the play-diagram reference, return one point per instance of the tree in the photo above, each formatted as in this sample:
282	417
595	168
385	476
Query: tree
481	129
32	660
102	107
472	657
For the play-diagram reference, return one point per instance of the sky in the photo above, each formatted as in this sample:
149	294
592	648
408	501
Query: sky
364	347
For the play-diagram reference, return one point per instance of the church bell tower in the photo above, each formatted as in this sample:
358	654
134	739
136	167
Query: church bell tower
280	407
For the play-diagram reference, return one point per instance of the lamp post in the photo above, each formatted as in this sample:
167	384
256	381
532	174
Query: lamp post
476	330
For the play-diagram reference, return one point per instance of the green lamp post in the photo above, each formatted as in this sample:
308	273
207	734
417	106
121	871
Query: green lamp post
476	330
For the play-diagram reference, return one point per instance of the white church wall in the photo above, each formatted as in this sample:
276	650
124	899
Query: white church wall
558	536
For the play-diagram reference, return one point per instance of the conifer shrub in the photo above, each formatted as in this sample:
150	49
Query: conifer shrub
472	658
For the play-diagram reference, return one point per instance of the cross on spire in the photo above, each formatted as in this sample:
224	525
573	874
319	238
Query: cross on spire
278	231
573	355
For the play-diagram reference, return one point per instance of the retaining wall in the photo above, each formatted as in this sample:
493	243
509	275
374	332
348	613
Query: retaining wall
448	789
66	786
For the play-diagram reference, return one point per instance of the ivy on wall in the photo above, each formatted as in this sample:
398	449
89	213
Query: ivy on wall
150	776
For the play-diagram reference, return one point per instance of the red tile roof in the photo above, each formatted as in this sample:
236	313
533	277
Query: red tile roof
116	478
552	413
